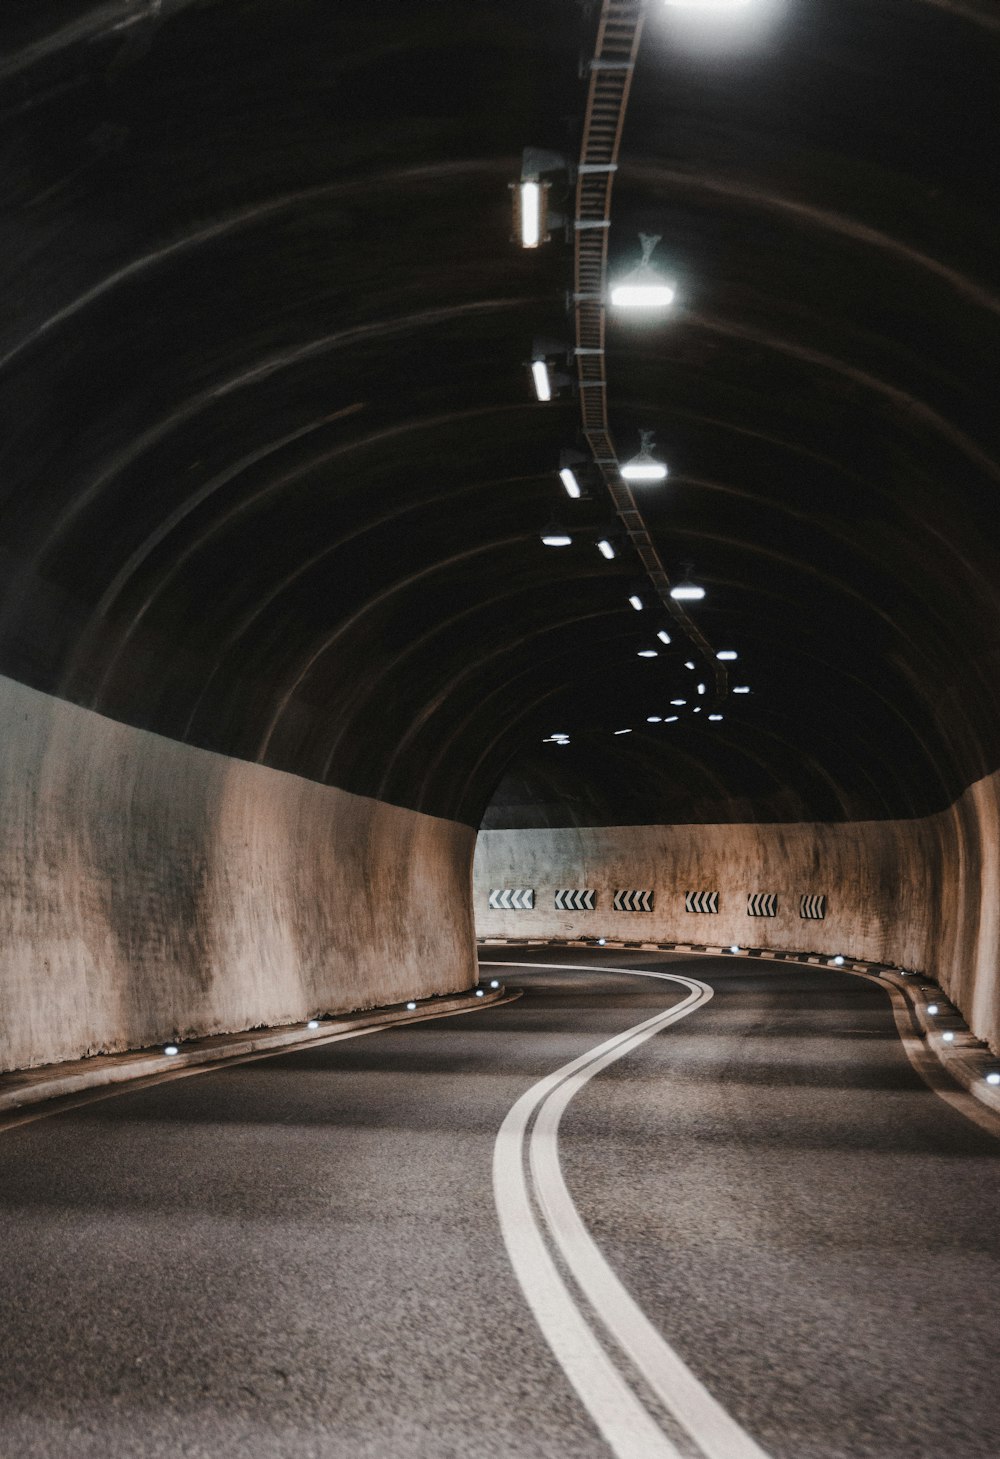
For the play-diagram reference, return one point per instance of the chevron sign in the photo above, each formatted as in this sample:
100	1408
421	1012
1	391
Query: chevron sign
633	902
701	901
762	904
512	899
813	907
574	899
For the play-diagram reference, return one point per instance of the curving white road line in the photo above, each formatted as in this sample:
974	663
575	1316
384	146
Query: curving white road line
538	1218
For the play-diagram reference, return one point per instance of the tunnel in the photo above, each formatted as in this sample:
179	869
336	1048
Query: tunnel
500	556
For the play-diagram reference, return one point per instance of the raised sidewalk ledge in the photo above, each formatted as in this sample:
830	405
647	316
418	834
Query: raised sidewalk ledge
965	1058
55	1081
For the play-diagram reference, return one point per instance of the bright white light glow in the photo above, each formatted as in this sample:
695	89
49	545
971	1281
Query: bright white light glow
479	992
715	716
601	941
838	960
636	470
313	1023
993	1079
671	719
704	4
654	718
663	636
697	709
948	1038
540	375
531	214
734	948
726	654
171	1049
636	602
605	549
570	482
494	983
701	688
623	732
648	653
741	688
932	1008
557	539
644	287
687	593
678	701
689	663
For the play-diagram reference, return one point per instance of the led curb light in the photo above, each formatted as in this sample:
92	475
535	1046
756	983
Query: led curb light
838	960
570	482
644	466
932	1008
494	983
171	1049
479	992
605	549
313	1023
734	948
993	1079
948	1037
540	375
644	287
411	1006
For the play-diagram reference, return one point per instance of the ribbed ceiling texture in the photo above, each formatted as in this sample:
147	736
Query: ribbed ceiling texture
274	474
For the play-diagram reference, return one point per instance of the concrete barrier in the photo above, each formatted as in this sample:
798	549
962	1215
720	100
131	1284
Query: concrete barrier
922	893
151	890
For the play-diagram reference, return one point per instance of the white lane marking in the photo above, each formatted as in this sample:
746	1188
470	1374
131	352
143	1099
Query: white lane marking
622	1419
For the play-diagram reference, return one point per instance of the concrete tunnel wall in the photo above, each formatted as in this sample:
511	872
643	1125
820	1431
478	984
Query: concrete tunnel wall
153	889
919	893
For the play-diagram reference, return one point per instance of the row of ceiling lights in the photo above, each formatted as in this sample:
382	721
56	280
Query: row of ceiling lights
643	287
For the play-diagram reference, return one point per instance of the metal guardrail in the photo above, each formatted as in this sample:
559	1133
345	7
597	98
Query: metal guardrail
616	48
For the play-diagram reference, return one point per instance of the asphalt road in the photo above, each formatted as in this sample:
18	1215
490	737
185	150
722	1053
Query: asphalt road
302	1256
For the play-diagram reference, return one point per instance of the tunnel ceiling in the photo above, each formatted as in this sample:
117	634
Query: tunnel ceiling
273	471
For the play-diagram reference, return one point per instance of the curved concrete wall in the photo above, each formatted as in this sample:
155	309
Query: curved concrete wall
921	893
150	889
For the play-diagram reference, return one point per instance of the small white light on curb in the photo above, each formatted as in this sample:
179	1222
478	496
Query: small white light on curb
601	941
734	948
313	1023
949	1038
838	961
171	1049
411	1006
494	982
479	992
932	1008
993	1079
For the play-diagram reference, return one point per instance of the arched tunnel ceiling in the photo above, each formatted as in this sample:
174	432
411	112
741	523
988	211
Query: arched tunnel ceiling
273	473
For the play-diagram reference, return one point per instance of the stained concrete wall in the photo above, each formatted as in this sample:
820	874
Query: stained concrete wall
921	893
150	889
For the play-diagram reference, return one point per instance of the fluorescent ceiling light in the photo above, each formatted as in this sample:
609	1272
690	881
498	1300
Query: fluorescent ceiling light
644	287
701	688
689	663
663	635
636	602
605	549
678	701
654	719
531	214
687	593
623	732
554	538
715	716
741	688
726	654
648	653
540	375
570	482
671	719
644	466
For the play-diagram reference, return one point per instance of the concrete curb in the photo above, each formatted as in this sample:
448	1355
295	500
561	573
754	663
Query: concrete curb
27	1087
966	1059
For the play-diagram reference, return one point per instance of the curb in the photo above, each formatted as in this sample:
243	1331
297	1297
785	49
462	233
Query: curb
26	1087
965	1058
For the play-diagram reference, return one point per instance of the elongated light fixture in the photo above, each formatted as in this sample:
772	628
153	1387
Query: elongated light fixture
726	655
644	287
605	548
687	592
636	602
540	375
645	466
569	481
530	212
555	536
663	635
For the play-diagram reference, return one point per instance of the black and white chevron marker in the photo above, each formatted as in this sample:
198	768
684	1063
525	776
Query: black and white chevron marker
762	904
512	899
701	902
630	901
812	907
574	899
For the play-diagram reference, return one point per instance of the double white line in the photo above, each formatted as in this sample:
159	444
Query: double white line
538	1219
